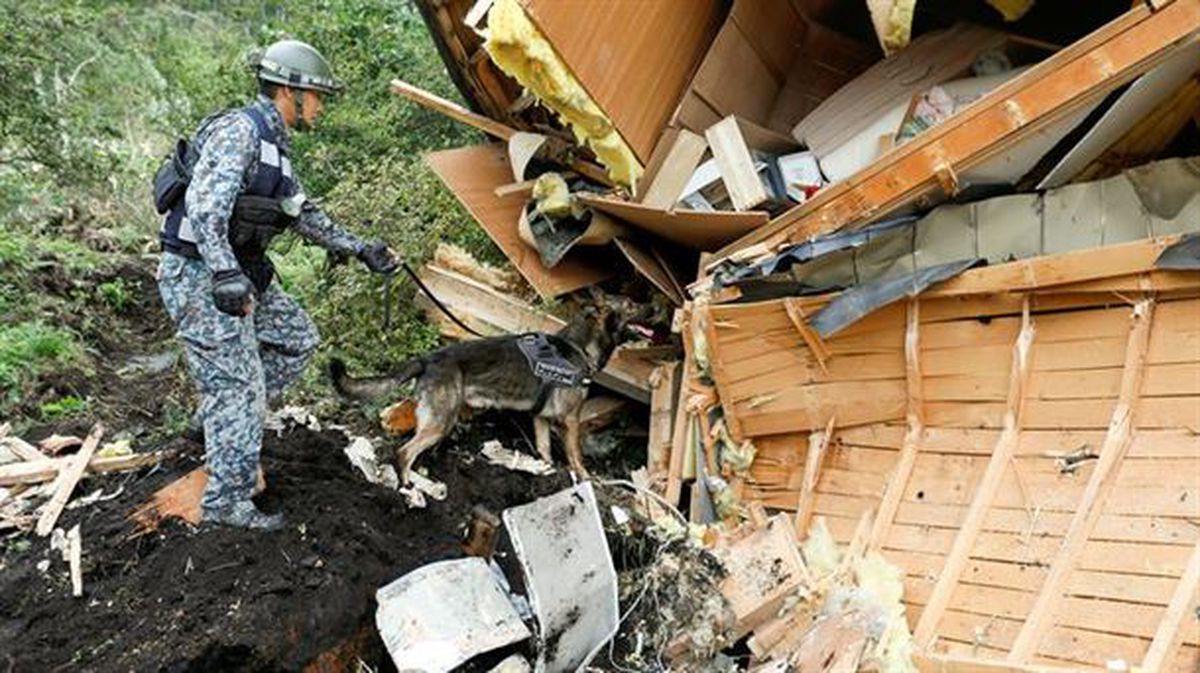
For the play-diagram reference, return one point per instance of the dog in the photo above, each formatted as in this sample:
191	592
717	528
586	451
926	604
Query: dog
494	373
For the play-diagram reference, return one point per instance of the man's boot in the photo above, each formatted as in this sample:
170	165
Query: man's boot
242	514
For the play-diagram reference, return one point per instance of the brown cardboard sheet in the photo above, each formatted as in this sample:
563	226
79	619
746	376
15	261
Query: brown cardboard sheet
690	228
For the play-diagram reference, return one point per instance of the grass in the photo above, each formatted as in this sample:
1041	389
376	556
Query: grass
29	349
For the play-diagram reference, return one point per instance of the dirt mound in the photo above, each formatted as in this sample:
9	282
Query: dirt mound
217	599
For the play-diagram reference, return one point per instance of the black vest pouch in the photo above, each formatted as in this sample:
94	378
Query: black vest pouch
171	179
255	221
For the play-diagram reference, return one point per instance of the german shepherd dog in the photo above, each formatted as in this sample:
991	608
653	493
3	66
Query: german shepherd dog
492	373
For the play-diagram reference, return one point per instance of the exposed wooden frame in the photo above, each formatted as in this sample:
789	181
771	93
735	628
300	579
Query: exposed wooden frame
915	418
1076	76
1087	513
1182	607
64	485
818	445
985	491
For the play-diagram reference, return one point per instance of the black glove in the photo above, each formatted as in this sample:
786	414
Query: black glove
231	292
378	258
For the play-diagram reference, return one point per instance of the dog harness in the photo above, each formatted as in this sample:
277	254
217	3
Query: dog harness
547	362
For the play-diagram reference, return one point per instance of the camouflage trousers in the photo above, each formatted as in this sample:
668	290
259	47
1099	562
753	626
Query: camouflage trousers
239	366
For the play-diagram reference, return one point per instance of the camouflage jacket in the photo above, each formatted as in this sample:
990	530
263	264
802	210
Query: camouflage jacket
229	155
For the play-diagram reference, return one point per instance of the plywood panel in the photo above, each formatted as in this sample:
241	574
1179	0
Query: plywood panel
635	58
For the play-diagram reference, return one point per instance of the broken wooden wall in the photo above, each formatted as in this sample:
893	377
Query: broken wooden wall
1036	475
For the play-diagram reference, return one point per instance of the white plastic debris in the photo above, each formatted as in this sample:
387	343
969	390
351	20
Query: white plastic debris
496	454
361	453
569	575
291	416
441	615
421	486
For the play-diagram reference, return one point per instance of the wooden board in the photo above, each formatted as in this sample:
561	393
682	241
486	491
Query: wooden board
669	169
690	228
635	58
473	174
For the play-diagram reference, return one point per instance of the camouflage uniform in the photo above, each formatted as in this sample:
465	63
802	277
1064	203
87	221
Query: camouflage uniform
239	365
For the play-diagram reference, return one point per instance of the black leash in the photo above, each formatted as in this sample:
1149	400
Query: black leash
387	301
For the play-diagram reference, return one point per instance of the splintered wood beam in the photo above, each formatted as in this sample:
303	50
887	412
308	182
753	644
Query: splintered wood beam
1183	606
985	491
64	485
1087	513
1076	76
795	313
912	437
818	445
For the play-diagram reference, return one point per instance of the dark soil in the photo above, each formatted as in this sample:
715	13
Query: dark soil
220	599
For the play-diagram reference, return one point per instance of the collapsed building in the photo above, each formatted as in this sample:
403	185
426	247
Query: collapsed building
932	276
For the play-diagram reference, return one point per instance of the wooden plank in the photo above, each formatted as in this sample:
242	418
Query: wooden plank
818	444
643	258
1076	76
31	472
1005	448
933	663
697	230
735	164
487	125
675	158
1182	609
915	419
634	58
472	174
1103	477
24	450
1050	270
664	397
64	485
682	422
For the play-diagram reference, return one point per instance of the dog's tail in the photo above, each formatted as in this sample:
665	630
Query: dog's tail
371	388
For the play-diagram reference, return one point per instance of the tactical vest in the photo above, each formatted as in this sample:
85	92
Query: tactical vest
257	214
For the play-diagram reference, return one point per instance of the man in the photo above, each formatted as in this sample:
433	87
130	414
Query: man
246	340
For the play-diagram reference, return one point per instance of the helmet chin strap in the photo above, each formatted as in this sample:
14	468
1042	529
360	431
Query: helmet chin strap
298	101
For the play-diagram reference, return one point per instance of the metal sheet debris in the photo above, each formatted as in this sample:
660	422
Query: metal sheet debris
572	585
441	615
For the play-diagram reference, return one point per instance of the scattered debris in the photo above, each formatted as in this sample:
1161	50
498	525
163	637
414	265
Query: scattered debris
496	454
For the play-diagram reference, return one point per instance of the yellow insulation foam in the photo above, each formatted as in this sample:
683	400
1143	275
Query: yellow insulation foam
1011	9
520	50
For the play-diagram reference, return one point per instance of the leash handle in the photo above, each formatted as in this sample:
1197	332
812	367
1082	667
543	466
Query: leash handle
436	302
